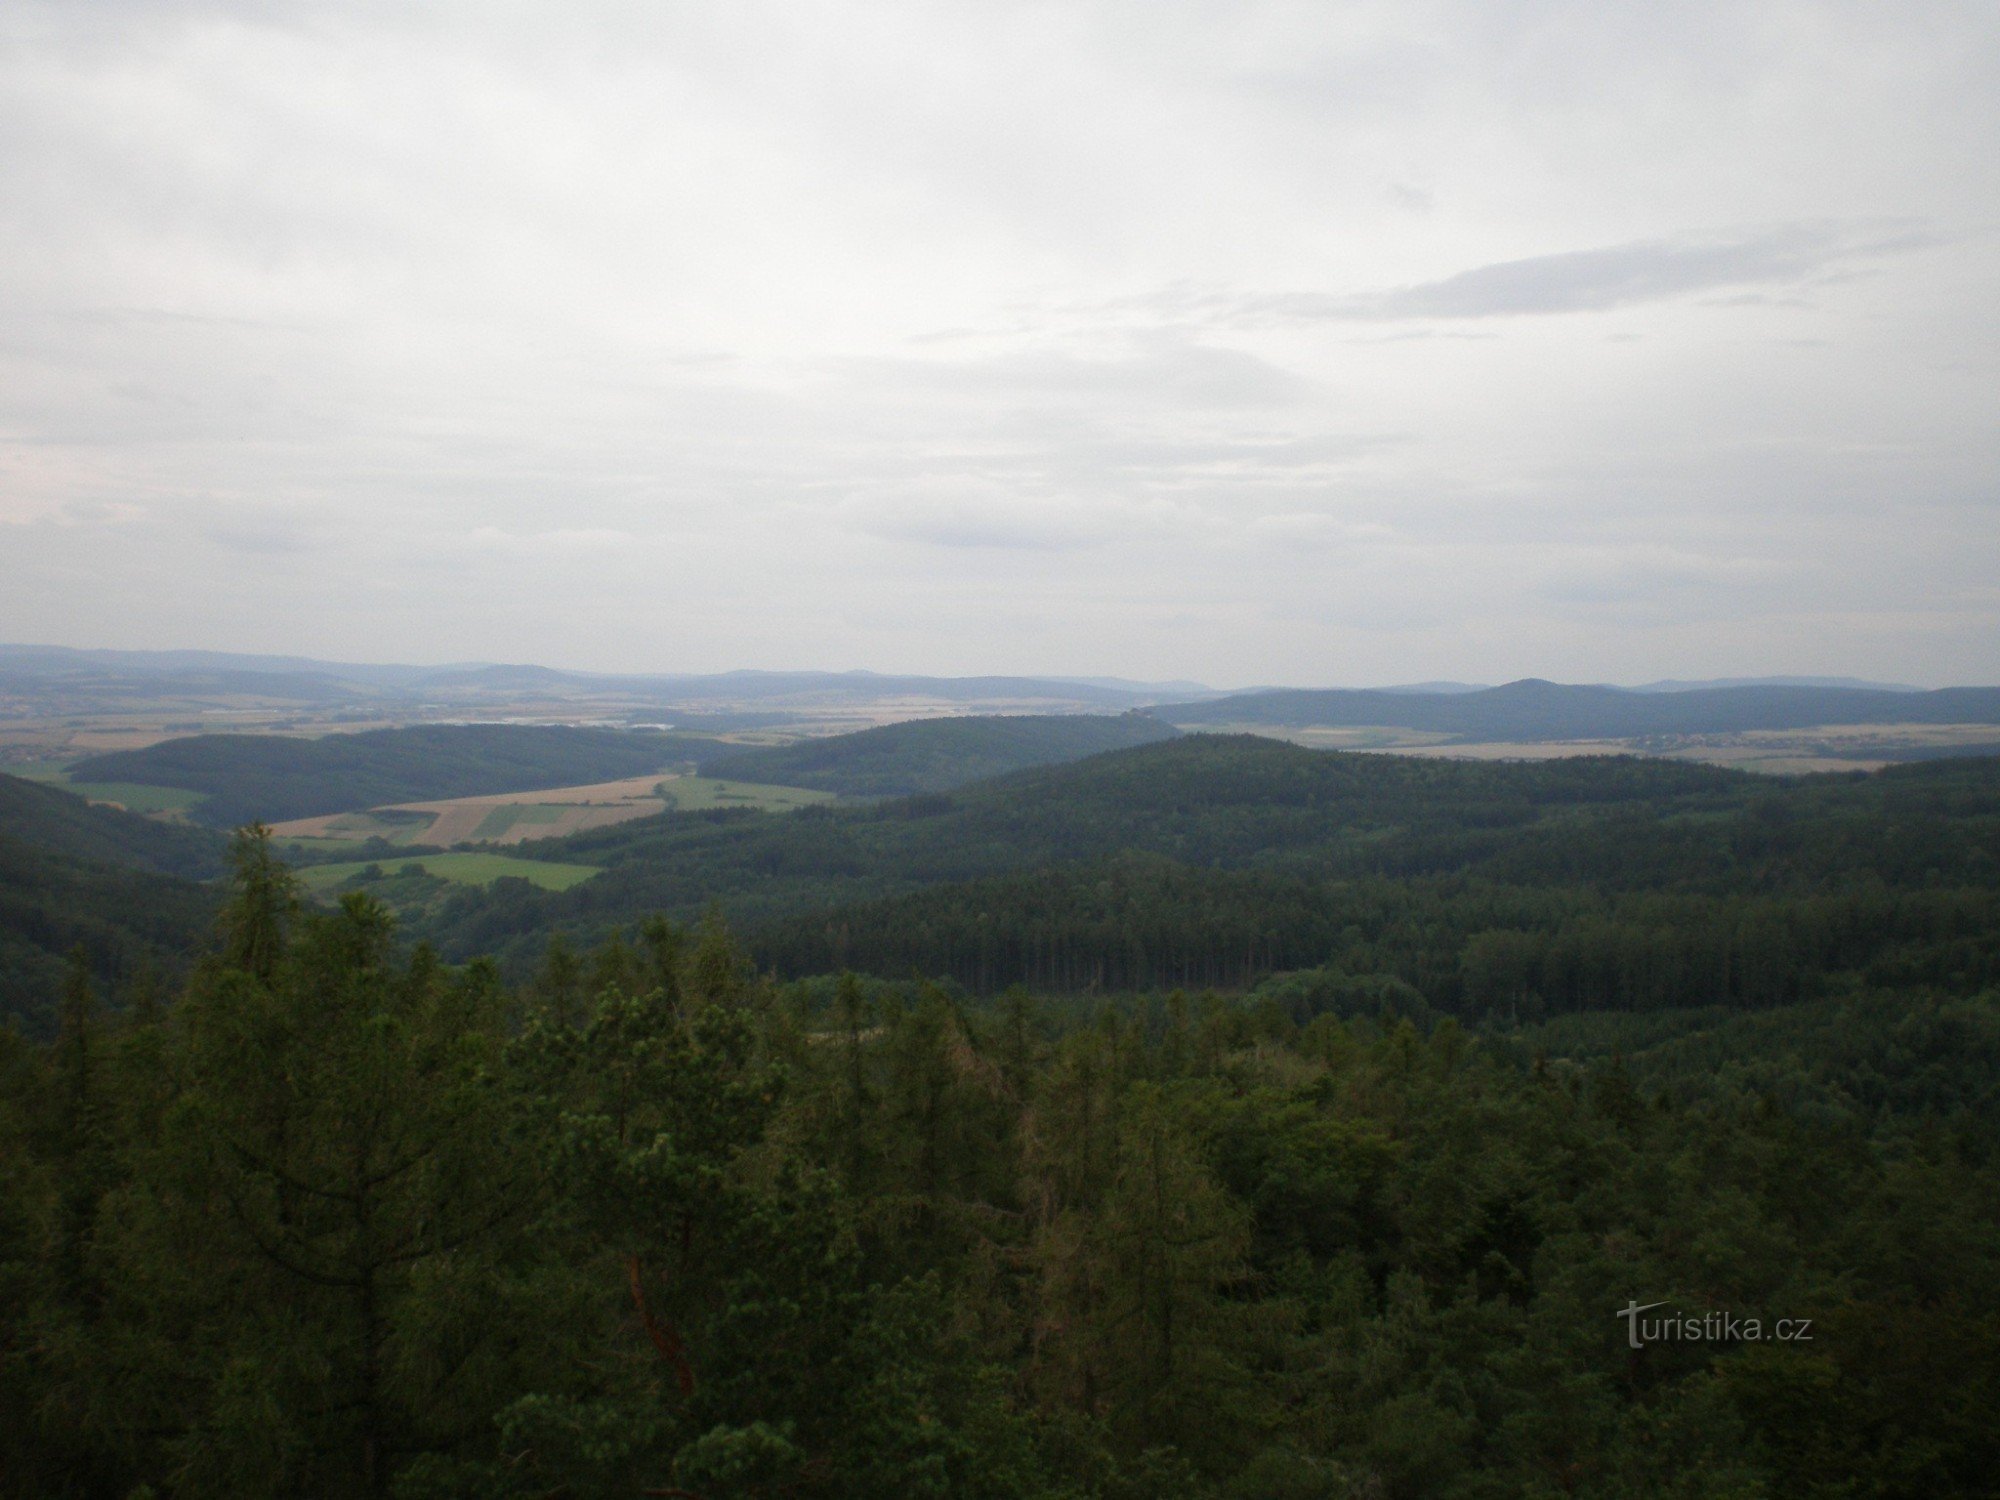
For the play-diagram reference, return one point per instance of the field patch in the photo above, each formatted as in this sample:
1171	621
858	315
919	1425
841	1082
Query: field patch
702	793
462	869
516	817
393	825
153	800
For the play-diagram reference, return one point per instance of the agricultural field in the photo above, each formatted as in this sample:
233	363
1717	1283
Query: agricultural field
1833	747
1775	752
701	793
461	869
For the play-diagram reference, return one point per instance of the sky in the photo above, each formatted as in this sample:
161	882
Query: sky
1318	344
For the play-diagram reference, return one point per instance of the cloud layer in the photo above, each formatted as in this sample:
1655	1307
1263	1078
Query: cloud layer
1252	342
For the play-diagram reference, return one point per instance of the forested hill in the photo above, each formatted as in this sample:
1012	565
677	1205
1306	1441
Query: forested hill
1215	859
73	875
1537	710
1233	800
937	755
252	777
63	824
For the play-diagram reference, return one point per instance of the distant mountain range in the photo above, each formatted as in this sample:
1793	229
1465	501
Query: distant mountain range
64	679
52	680
1684	685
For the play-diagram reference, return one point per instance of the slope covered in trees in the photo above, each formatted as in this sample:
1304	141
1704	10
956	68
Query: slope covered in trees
936	755
347	1221
1536	710
1216	859
62	823
1235	800
252	777
117	887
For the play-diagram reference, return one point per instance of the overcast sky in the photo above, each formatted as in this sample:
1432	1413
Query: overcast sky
1320	343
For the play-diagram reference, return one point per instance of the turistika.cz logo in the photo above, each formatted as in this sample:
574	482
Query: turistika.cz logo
1710	1328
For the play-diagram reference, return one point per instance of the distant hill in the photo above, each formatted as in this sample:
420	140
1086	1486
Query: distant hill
251	777
69	661
120	886
936	755
1536	710
1683	685
829	688
66	680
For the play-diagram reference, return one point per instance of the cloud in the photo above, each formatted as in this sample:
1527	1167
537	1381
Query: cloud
1574	281
557	540
962	512
1161	371
609	334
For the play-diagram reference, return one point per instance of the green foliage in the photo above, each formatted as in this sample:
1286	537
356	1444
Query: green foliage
109	882
1202	800
463	869
59	822
1216	861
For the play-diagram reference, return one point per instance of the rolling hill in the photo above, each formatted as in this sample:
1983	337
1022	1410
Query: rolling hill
936	755
246	777
1238	801
122	887
1228	846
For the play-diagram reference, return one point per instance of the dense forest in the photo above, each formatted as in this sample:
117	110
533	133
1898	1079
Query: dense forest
936	755
1220	859
1209	1118
246	778
123	888
344	1220
1231	801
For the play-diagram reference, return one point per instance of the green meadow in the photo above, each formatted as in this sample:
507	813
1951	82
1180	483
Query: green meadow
701	793
135	798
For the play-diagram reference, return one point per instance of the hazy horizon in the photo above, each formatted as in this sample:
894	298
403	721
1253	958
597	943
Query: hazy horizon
1251	343
668	672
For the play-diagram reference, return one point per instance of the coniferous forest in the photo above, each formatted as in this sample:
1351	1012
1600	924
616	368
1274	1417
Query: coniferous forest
1206	1119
